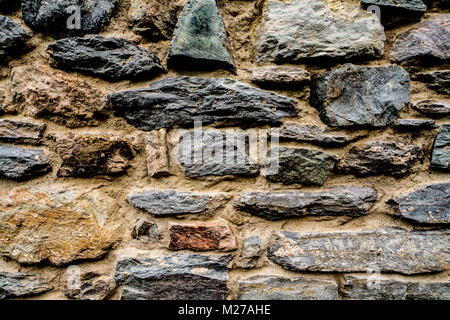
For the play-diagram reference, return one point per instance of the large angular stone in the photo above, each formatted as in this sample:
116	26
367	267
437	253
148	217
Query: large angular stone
430	205
360	287
55	227
361	96
440	159
380	157
174	277
21	131
12	37
385	250
336	201
280	77
181	101
90	285
317	29
53	17
41	92
15	285
112	59
250	254
93	155
438	81
394	12
21	164
157	152
278	288
432	107
200	39
163	203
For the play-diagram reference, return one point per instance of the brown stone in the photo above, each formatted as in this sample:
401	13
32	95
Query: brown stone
21	131
157	153
42	92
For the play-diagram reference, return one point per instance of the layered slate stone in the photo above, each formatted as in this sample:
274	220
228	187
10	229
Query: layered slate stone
89	285
430	204
146	231
21	164
427	43
302	166
440	159
280	77
93	155
202	237
174	277
386	250
20	284
380	158
164	203
358	96
200	39
432	107
21	131
279	288
58	18
42	92
181	101
360	287
438	81
304	29
414	124
37	226
250	254
112	59
394	12
335	201
157	152
9	5
12	37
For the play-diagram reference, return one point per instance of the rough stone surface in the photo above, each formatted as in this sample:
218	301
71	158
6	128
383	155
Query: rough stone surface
438	81
21	164
157	154
38	226
12	37
336	201
304	29
302	166
394	12
9	5
414	124
430	204
91	285
387	250
280	77
440	159
163	203
92	155
200	38
250	254
41	92
15	285
358	287
146	231
176	276
432	107
21	131
181	101
202	237
51	16
361	96
278	288
381	157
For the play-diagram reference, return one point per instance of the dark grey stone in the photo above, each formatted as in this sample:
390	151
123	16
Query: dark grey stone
438	81
414	124
395	12
21	131
15	285
21	164
13	37
9	5
440	159
432	107
250	254
280	77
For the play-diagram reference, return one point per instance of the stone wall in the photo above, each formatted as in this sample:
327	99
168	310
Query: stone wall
103	196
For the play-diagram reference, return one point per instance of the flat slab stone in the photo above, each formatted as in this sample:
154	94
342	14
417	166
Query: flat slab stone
17	285
280	77
438	81
335	201
395	12
21	164
355	96
112	59
432	107
304	29
12	37
387	250
440	159
414	124
21	131
174	277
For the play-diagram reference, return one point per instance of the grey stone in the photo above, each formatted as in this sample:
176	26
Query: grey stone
181	101
250	254
430	204
12	37
22	164
385	250
432	107
278	288
146	231
90	285
358	96
335	201
200	39
21	131
112	59
174	277
305	29
395	12
414	124
15	285
440	159
438	81
280	77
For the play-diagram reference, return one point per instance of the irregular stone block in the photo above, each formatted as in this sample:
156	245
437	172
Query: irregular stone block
336	201
395	12
280	77
414	124
278	288
146	231
305	29
41	92
174	277
157	154
361	96
90	285
250	254
15	285
12	37
438	81
380	158
200	39
21	131
180	101
430	204
55	227
432	107
386	250
22	164
440	159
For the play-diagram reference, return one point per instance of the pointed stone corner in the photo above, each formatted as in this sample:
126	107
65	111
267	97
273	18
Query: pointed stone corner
200	39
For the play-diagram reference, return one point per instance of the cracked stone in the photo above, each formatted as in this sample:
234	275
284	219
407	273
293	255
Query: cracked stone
440	159
432	107
21	131
17	285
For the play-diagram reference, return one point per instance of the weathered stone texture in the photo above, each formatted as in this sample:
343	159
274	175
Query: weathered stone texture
280	77
395	12
146	231
20	164
438	81
440	159
432	107
16	285
250	254
157	152
90	285
414	124
21	131
12	37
